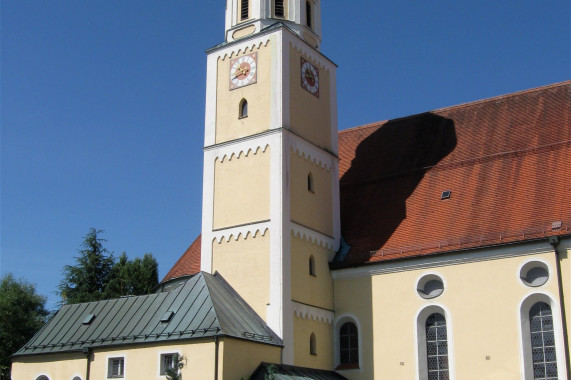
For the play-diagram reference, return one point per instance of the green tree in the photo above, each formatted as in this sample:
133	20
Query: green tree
22	314
173	373
136	277
86	281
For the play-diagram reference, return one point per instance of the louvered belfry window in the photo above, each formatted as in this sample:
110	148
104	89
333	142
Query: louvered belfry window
244	12
437	347
542	342
308	14
279	10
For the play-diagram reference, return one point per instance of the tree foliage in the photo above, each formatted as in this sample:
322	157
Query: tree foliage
22	314
97	275
174	373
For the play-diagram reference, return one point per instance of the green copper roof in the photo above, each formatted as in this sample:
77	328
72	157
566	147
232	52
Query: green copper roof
203	306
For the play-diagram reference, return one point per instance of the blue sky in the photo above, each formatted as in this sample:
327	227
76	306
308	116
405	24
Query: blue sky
102	104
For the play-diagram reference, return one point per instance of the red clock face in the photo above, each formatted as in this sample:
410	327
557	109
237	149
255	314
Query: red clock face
243	71
309	77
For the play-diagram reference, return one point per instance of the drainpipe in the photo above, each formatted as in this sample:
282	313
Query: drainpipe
554	241
87	352
216	357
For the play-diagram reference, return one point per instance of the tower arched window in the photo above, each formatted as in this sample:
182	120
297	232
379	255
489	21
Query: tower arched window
437	347
543	351
312	345
312	265
279	10
243	109
308	15
310	186
244	9
42	377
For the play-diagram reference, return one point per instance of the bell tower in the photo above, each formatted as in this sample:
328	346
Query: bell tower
270	222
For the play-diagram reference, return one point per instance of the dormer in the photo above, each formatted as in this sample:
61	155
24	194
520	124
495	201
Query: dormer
247	17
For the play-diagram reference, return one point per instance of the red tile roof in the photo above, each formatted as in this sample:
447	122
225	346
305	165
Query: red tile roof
189	262
506	161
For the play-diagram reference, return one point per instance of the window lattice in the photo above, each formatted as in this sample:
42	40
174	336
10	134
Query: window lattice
279	10
543	342
349	344
437	347
244	10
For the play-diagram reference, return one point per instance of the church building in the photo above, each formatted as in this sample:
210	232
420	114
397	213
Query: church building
430	247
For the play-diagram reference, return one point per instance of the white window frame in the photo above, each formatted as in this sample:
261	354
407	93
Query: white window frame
112	357
160	360
526	361
340	321
420	339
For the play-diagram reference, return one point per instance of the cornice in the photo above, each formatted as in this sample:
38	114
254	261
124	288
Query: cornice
314	313
246	231
312	236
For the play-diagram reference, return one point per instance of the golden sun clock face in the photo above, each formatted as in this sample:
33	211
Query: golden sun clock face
243	71
310	77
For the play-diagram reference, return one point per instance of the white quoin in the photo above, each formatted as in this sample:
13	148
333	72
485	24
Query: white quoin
245	17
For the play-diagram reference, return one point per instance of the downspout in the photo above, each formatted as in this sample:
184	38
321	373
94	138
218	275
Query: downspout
554	241
87	352
216	357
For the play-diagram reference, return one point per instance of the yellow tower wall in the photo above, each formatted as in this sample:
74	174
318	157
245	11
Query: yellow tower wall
251	252
303	328
313	209
305	288
242	188
483	300
228	124
310	116
240	358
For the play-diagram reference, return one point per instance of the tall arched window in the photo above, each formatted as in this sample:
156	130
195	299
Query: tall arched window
348	345
437	347
308	15
542	342
279	8
312	345
243	109
42	377
244	12
312	265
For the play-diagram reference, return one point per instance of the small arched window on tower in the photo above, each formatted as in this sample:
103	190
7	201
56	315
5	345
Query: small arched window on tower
244	11
279	8
310	186
312	345
243	109
312	265
308	15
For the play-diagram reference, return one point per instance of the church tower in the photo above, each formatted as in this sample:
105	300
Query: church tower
270	222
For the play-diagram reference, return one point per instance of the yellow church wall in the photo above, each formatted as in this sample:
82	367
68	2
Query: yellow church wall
141	362
302	330
240	358
565	262
482	300
56	366
310	116
228	124
316	290
252	284
242	189
311	209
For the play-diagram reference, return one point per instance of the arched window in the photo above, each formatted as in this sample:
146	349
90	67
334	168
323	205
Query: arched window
312	265
77	378
543	351
279	8
244	12
348	345
42	377
437	347
312	345
310	182
308	16
243	109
